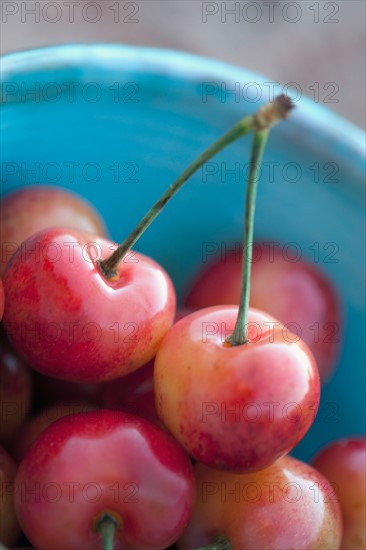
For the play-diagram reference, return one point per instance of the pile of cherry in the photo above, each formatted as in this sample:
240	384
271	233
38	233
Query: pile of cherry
129	424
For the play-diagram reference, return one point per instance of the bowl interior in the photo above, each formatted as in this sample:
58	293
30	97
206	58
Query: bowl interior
118	124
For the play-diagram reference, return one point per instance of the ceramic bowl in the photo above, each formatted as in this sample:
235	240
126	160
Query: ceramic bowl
119	123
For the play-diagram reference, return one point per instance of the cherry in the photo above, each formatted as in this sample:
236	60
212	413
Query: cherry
70	321
33	208
235	407
296	293
9	526
343	463
102	471
15	391
32	429
234	387
289	506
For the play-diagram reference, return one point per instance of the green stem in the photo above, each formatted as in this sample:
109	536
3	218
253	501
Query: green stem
220	543
271	117
106	527
240	334
266	116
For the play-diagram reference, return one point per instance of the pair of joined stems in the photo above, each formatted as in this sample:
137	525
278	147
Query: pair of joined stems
261	122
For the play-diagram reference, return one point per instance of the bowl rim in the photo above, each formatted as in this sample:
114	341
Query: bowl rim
336	132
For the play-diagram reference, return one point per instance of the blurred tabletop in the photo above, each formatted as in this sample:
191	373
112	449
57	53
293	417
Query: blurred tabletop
318	47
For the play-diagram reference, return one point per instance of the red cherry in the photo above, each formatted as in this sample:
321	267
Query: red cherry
69	321
33	208
343	463
288	506
9	526
86	466
296	293
15	391
235	407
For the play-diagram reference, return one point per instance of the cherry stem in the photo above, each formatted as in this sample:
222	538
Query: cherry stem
264	117
221	543
271	116
240	334
106	527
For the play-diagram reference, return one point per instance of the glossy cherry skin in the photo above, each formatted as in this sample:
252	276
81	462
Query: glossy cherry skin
288	506
70	322
237	408
343	463
104	462
15	391
33	208
296	293
33	428
9	526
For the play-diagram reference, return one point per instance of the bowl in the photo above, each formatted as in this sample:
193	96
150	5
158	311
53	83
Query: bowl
118	124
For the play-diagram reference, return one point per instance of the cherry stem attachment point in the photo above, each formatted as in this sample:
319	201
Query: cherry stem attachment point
106	527
221	543
266	116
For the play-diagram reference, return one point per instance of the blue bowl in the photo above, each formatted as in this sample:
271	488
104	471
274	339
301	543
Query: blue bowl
118	124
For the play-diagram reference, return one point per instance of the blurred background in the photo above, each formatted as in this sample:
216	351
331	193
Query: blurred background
314	47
